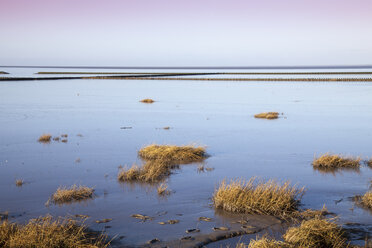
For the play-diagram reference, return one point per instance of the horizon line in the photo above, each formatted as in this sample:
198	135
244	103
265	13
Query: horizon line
196	67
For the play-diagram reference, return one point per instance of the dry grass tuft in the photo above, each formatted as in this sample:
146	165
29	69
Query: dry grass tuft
19	182
251	197
310	213
163	189
152	171
131	174
316	232
267	115
264	242
366	200
174	154
45	138
160	160
44	232
333	161
369	162
74	193
147	100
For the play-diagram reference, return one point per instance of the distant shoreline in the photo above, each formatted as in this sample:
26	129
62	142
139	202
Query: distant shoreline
198	67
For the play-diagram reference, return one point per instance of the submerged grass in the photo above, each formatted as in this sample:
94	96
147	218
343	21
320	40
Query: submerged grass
45	138
73	193
251	197
267	115
332	162
46	232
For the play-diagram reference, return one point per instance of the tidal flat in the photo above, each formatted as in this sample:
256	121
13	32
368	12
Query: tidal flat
318	118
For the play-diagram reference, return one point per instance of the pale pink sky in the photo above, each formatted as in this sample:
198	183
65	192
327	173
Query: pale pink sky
181	33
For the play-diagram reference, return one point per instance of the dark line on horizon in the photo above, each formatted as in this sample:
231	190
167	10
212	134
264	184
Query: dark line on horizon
197	67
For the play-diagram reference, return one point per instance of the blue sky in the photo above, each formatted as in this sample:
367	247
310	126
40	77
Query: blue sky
185	33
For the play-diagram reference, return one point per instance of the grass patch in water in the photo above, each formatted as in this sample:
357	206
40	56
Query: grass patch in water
73	193
45	138
147	100
19	182
49	232
174	154
267	115
160	160
316	232
163	189
263	242
251	197
364	200
332	162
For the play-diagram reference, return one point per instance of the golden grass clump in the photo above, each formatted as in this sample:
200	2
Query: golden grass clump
163	189
172	153
159	162
133	173
267	115
268	198
366	199
74	193
44	232
45	138
147	100
151	171
369	162
264	242
316	232
333	161
19	182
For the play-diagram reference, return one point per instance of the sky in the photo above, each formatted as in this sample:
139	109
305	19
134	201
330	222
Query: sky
185	33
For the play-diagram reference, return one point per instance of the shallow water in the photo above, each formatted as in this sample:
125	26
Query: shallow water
318	117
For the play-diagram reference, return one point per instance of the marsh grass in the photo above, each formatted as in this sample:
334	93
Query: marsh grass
331	162
364	200
367	199
267	115
369	163
147	100
173	154
45	232
264	242
163	190
71	194
3	72
258	197
160	160
317	232
151	171
19	182
45	138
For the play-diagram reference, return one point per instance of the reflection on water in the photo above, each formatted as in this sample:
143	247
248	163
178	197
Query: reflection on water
321	117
